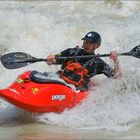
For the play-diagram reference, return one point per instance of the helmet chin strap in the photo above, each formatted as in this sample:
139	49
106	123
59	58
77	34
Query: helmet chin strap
93	49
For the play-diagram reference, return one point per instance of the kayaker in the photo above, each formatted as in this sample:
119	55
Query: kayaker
86	68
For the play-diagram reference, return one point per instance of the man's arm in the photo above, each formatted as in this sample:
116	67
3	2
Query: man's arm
103	67
51	59
117	70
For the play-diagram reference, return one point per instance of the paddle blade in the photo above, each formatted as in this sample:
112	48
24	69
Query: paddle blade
135	52
16	60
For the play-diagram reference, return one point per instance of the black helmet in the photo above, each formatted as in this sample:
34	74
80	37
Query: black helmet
93	37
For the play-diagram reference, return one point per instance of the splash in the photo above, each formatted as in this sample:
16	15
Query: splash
114	106
40	28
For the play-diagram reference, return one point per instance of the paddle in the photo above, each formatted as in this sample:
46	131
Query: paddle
20	59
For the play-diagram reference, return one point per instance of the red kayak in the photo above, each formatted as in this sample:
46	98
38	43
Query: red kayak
33	91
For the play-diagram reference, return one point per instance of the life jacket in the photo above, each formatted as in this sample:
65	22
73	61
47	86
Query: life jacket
74	73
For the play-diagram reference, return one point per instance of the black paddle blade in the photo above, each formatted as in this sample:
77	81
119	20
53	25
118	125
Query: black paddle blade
135	52
16	60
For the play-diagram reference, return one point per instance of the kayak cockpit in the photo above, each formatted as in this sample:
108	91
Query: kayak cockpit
39	77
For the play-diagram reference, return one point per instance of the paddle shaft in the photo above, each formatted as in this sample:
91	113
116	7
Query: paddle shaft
87	56
69	57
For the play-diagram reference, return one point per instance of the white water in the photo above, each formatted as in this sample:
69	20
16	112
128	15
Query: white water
41	28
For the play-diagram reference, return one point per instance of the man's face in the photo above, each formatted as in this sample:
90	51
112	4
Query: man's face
89	47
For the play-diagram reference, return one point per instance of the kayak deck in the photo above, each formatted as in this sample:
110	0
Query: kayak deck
41	97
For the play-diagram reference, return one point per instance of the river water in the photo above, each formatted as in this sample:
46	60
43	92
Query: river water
43	27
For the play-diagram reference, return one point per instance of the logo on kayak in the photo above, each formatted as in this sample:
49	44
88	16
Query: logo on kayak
19	81
58	97
35	90
13	90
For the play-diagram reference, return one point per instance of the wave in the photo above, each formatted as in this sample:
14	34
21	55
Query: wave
40	28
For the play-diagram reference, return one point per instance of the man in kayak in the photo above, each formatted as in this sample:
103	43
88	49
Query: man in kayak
79	71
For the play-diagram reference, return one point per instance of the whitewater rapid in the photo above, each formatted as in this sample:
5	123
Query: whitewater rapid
43	27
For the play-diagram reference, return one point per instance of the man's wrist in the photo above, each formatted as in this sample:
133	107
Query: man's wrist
116	61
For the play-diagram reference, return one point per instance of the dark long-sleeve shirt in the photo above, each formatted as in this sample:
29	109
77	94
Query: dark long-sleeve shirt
94	66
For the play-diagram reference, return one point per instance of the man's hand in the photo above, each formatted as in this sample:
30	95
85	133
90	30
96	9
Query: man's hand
114	55
51	59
